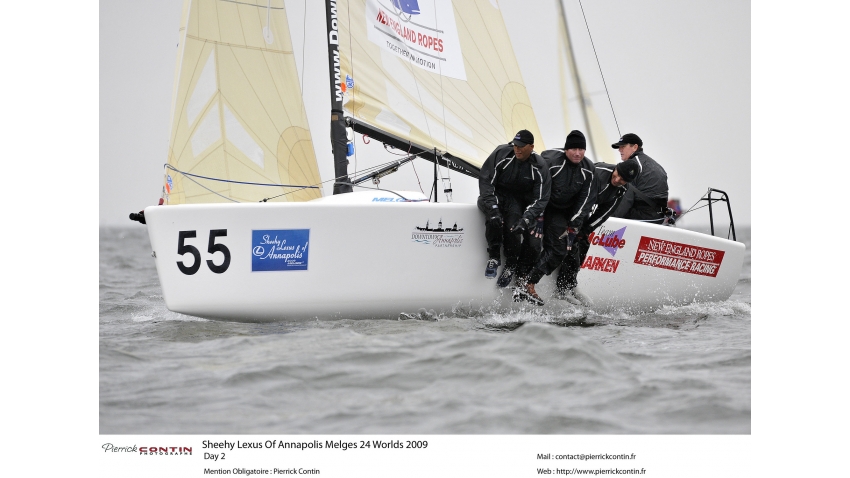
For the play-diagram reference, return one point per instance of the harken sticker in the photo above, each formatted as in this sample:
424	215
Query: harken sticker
425	35
279	249
438	236
679	257
600	264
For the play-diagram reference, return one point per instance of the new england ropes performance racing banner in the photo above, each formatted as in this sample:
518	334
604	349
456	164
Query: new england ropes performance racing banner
678	257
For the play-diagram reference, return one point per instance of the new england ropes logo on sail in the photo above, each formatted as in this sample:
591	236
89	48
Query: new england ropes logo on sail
410	7
279	249
426	37
438	236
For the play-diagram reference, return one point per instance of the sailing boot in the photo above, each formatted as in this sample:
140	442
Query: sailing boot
567	295
506	277
528	293
492	268
582	297
522	274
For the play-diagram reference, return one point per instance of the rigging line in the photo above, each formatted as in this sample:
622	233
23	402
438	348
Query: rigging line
366	171
418	93
698	208
375	168
390	191
600	67
417	177
252	4
168	166
710	202
443	103
692	207
208	189
409	147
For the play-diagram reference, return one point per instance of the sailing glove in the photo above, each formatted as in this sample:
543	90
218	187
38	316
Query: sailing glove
571	237
520	226
538	228
495	221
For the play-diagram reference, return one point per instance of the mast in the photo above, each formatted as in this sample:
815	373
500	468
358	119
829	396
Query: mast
339	142
576	79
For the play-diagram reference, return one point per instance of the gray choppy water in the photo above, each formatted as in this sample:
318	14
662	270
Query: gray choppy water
677	370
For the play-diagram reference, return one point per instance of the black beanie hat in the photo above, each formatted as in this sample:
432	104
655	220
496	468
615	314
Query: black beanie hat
575	140
628	169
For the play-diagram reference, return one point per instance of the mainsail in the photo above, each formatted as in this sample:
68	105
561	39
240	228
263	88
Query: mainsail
445	75
238	114
440	74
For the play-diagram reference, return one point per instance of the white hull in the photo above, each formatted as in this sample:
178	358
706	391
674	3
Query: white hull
365	258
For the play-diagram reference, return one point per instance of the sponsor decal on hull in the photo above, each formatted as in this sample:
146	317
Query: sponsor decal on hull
424	35
279	249
679	257
393	199
438	236
611	241
600	264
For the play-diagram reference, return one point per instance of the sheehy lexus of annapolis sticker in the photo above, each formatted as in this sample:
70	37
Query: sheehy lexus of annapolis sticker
674	256
280	249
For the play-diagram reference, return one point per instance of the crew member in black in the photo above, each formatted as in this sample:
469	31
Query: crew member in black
612	182
513	192
646	199
572	196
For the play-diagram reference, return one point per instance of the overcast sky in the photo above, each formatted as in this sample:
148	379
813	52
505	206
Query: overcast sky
678	74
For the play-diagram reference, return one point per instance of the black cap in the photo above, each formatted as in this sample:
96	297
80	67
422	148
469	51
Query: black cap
523	137
575	140
628	138
628	169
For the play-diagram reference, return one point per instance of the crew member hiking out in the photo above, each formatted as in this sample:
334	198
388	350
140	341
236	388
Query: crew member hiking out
611	185
572	196
646	199
513	192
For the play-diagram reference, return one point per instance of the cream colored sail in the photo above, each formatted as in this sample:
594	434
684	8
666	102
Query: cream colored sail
238	114
441	74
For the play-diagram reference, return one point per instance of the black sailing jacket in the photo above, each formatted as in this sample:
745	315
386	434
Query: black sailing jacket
607	196
503	174
572	189
651	185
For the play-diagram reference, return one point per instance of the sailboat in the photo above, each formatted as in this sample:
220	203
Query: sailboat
245	230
